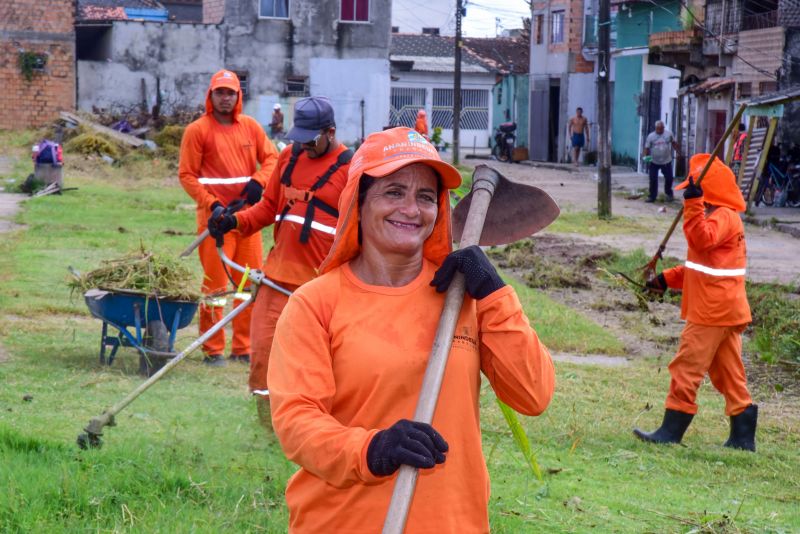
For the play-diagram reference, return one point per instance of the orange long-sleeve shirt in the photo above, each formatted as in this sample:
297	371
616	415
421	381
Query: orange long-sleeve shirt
348	360
290	261
217	161
713	278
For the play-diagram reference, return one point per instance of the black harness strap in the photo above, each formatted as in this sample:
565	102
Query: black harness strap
343	159
286	178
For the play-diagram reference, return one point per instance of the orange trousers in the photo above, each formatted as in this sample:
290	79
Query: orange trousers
267	308
717	351
244	251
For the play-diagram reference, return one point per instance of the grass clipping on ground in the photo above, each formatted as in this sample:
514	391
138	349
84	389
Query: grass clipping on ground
141	272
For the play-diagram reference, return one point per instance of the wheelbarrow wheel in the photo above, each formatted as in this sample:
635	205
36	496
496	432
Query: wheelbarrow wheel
156	339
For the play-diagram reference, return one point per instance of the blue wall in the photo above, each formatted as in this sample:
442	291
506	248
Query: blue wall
515	86
634	31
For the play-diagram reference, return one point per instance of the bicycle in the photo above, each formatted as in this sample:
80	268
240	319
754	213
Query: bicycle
779	187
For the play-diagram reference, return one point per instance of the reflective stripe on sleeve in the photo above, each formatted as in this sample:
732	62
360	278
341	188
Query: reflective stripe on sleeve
241	296
301	220
218	181
262	392
216	302
714	272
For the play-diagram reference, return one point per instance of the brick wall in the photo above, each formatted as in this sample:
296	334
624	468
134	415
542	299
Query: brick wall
44	28
763	48
575	29
213	11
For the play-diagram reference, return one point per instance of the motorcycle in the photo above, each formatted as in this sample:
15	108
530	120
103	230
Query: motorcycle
504	139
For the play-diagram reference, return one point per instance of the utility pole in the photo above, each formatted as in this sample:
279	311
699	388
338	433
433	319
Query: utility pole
603	107
457	84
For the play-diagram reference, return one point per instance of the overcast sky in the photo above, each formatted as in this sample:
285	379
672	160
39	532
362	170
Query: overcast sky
411	15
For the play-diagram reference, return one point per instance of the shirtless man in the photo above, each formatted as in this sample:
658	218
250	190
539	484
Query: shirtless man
579	134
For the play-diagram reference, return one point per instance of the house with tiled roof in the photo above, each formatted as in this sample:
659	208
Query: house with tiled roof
510	59
422	71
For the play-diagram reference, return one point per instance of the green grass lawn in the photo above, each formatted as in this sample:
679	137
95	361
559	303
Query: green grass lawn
189	456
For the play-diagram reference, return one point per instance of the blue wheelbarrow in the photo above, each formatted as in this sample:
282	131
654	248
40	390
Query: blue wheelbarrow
155	322
177	314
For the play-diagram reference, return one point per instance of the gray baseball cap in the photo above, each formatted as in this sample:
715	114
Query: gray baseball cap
311	115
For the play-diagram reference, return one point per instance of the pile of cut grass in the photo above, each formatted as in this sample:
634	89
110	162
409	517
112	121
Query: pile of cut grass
776	321
141	272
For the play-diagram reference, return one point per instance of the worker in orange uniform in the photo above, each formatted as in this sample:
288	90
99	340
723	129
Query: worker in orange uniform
301	200
421	126
352	345
714	306
225	158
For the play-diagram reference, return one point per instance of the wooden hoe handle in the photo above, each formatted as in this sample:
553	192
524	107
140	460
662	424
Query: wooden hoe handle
482	191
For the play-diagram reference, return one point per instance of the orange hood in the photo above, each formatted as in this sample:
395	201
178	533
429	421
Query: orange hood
229	79
719	184
381	154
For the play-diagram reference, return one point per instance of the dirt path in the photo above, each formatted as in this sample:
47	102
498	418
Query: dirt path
772	256
9	206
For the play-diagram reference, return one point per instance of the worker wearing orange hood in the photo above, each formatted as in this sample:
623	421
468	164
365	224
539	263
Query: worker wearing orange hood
352	345
714	305
225	161
421	126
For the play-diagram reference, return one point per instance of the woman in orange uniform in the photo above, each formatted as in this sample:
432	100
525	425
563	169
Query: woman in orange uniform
225	157
352	345
714	305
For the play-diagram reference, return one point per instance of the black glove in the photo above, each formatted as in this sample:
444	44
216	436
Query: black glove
252	192
221	222
405	442
657	284
692	190
480	275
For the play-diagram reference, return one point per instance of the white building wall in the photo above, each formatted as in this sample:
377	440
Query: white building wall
582	92
182	56
348	82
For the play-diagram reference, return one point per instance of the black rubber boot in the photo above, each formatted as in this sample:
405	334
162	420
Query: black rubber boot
672	428
743	429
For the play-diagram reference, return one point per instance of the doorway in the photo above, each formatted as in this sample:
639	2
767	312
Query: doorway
554	122
716	127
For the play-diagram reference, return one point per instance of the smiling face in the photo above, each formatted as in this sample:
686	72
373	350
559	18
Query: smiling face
399	211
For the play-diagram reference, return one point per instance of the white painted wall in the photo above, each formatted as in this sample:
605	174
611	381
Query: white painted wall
410	16
670	81
347	82
582	92
183	56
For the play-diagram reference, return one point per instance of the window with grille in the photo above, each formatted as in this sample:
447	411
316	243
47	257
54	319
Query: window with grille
243	82
474	109
278	9
557	27
405	102
745	90
355	11
767	87
296	86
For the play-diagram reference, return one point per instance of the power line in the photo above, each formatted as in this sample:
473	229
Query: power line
717	37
